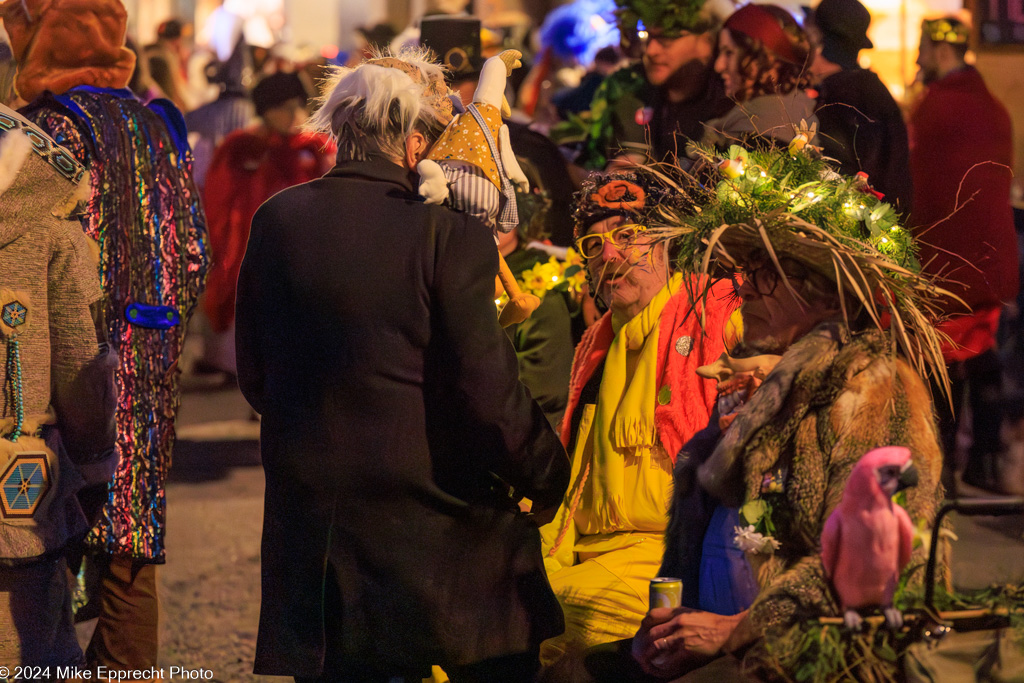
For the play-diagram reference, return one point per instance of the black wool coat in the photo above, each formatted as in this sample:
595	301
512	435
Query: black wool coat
394	426
861	126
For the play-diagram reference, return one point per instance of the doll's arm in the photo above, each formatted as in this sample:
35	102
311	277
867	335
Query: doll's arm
433	183
508	161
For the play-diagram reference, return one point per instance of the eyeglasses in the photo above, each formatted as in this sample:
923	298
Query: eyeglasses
590	246
764	279
664	40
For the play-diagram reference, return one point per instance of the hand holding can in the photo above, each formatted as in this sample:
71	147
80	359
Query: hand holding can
666	591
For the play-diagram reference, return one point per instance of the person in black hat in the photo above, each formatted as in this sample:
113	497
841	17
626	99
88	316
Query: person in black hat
860	124
455	40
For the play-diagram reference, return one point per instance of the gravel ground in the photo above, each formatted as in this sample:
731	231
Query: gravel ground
210	586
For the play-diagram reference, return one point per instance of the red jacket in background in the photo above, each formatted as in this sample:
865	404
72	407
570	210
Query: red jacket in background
961	215
248	168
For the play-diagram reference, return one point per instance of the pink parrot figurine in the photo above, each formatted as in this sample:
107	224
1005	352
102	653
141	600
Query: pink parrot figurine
867	538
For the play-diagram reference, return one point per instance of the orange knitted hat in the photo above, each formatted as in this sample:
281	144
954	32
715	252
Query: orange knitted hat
60	44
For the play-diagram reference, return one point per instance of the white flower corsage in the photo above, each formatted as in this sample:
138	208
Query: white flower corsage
755	536
750	541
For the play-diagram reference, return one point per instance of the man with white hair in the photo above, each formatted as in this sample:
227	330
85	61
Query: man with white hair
396	437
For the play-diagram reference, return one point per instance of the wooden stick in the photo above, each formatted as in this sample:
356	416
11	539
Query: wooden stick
520	304
945	616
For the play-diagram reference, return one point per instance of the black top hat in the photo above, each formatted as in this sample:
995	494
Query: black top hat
456	42
844	30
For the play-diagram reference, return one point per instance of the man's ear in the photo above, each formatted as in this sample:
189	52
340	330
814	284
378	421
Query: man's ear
415	148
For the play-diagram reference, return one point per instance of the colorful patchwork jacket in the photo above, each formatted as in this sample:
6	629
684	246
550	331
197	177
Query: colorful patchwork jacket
145	212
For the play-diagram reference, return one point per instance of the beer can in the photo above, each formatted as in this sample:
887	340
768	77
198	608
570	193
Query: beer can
666	592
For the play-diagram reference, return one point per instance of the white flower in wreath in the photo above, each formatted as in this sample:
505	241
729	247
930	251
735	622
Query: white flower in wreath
750	541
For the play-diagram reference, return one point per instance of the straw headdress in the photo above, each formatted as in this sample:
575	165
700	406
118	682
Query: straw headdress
789	203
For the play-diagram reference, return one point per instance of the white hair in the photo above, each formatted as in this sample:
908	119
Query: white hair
373	108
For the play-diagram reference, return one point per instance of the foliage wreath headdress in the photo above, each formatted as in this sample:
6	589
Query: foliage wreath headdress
671	16
791	203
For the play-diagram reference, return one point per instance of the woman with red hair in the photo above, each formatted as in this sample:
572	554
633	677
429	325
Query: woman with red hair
763	59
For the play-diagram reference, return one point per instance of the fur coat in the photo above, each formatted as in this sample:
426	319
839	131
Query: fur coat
832	397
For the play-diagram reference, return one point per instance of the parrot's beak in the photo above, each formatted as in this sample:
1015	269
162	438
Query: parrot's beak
908	477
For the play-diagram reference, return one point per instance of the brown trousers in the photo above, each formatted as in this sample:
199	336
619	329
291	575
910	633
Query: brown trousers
126	635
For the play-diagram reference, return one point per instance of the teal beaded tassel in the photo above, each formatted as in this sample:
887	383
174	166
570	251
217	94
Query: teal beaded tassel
13	315
14	378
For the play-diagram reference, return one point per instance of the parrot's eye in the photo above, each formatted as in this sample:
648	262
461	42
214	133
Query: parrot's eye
888	472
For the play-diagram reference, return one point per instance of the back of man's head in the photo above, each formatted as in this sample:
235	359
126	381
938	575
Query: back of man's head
277	89
844	30
372	108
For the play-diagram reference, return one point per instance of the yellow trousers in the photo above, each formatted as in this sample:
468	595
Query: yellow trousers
604	597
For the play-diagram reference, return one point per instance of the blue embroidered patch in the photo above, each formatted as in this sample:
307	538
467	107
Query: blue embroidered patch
23	485
14	314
